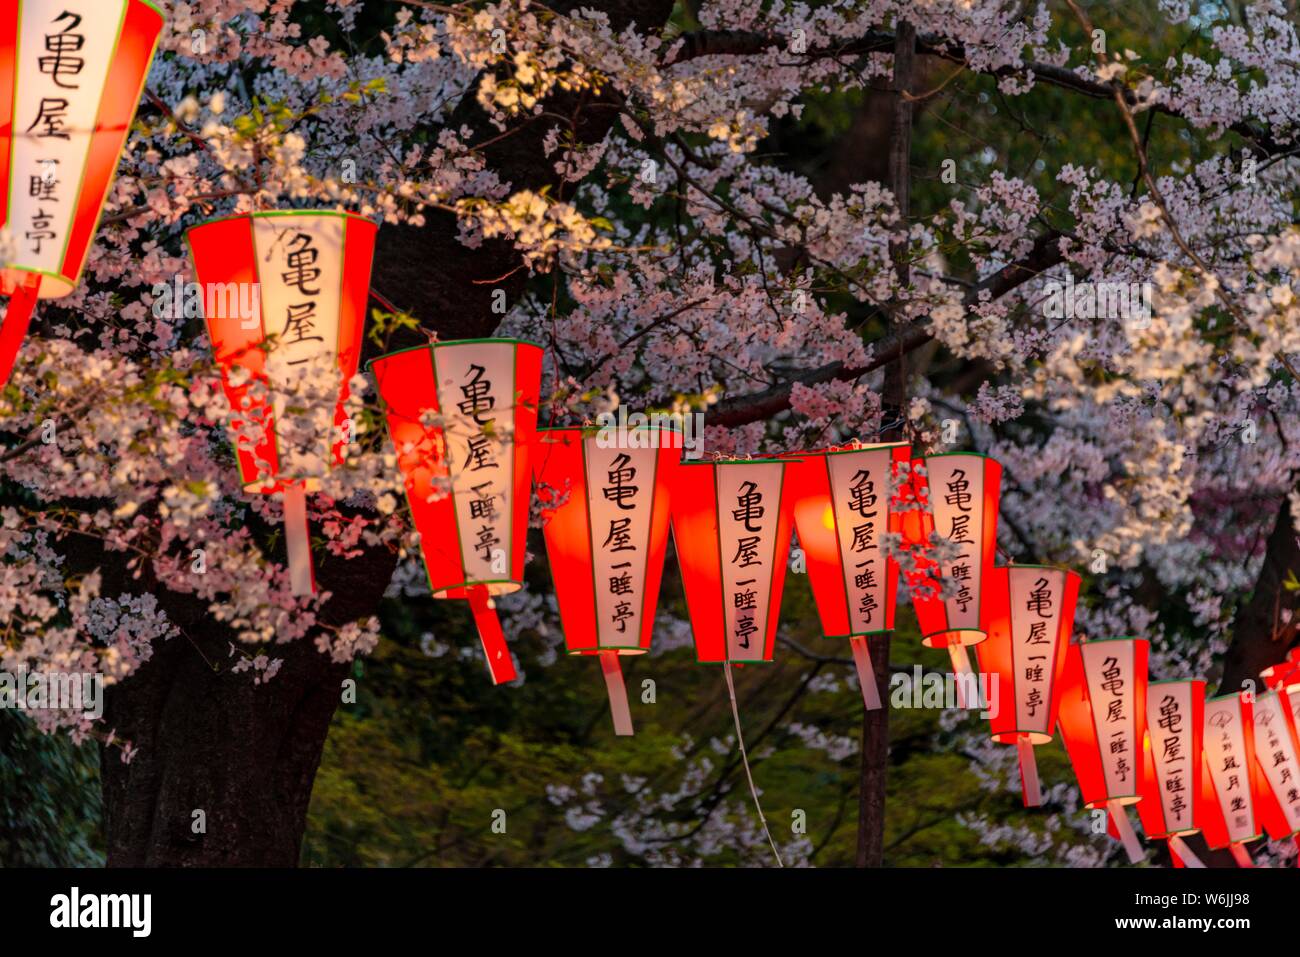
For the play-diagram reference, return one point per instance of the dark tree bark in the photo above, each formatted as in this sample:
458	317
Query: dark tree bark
875	724
208	739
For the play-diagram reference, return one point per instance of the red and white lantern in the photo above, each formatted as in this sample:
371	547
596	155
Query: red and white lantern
963	492
605	510
284	298
843	509
1230	757
463	418
1171	778
1030	615
1103	723
1276	765
731	524
71	73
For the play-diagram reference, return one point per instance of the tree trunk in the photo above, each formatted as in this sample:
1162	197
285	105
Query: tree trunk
875	724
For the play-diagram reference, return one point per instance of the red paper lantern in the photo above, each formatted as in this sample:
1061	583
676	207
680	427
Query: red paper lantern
731	523
463	418
1278	675
1030	618
963	508
843	507
1103	723
71	72
1230	757
605	521
1171	767
284	298
1277	767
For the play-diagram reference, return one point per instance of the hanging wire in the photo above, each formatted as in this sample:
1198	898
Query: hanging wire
744	757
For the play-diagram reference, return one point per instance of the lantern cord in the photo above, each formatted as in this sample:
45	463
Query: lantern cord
500	665
866	673
744	758
1033	793
1179	850
611	668
18	317
1126	833
1241	855
962	670
297	534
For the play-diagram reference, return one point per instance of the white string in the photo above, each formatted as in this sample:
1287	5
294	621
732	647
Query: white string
744	757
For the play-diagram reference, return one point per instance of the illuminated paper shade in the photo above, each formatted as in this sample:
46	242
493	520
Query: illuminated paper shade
731	524
1103	723
606	540
1171	778
842	511
1277	784
1230	757
71	73
285	293
463	418
962	488
1029	615
1278	675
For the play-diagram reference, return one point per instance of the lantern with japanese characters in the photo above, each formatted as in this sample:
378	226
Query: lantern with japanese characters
1030	620
1103	723
462	416
1277	784
1230	758
843	509
71	73
605	506
731	523
284	297
963	510
1171	770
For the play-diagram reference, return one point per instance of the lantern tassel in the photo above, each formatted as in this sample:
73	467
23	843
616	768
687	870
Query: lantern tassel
17	319
297	532
612	669
1126	833
500	665
1182	854
866	673
1241	855
744	758
961	669
1032	792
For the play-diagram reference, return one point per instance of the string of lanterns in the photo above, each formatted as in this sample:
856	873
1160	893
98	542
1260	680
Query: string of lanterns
462	420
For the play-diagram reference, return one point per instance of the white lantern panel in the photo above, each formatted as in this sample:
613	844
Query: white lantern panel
957	504
620	500
749	504
476	393
64	54
1225	754
1036	598
860	483
1169	725
1276	753
1110	671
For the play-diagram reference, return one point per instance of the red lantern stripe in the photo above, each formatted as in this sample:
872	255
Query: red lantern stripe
136	42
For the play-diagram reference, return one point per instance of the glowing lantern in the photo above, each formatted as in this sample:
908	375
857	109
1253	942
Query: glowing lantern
1030	614
1276	766
463	417
284	297
1171	769
731	523
1278	675
606	540
963	497
1103	723
842	510
1230	757
71	72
